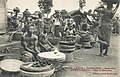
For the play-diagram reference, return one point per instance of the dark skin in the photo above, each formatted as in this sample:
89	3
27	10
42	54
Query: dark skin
29	40
44	38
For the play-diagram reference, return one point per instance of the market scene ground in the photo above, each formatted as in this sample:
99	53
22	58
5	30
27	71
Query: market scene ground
84	58
74	43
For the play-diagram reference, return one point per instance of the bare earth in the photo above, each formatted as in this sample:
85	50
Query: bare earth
86	63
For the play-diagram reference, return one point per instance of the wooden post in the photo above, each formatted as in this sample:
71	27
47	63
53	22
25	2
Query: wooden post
3	16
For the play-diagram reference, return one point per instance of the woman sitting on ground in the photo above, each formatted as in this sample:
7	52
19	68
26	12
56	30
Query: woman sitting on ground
44	44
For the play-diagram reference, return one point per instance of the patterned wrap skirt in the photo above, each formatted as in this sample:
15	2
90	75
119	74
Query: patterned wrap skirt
104	31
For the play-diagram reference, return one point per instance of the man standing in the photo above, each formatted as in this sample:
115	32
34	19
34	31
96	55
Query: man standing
29	42
57	23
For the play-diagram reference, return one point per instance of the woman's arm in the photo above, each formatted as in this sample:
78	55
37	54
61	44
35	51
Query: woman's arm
40	44
36	45
50	43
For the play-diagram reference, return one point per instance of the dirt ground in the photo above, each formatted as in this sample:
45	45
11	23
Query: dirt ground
86	63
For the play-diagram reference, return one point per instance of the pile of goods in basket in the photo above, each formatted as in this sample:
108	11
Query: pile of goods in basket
37	66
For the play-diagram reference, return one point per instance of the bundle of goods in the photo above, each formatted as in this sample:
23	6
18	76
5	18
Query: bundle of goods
111	1
26	13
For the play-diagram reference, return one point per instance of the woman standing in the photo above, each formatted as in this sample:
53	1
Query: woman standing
105	28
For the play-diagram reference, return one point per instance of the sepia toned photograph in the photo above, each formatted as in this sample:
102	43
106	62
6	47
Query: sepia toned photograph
59	38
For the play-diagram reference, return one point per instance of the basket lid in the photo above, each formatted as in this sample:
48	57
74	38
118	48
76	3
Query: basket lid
52	55
11	65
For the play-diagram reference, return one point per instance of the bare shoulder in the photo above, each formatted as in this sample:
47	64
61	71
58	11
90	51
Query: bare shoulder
35	37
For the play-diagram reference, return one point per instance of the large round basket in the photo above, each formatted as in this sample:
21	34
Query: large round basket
54	40
111	1
53	56
10	65
37	74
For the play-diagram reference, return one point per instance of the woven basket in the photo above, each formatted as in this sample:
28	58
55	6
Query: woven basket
36	71
67	50
37	74
66	43
67	46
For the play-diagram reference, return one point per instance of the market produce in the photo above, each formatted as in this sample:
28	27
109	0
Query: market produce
40	66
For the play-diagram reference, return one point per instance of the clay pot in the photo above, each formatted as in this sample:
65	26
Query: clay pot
37	74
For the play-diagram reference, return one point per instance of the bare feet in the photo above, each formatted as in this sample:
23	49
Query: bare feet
105	54
101	55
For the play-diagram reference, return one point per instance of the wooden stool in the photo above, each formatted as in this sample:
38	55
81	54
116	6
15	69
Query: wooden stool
10	67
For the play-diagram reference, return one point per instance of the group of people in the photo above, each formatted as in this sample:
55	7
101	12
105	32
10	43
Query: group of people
61	24
32	45
37	42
